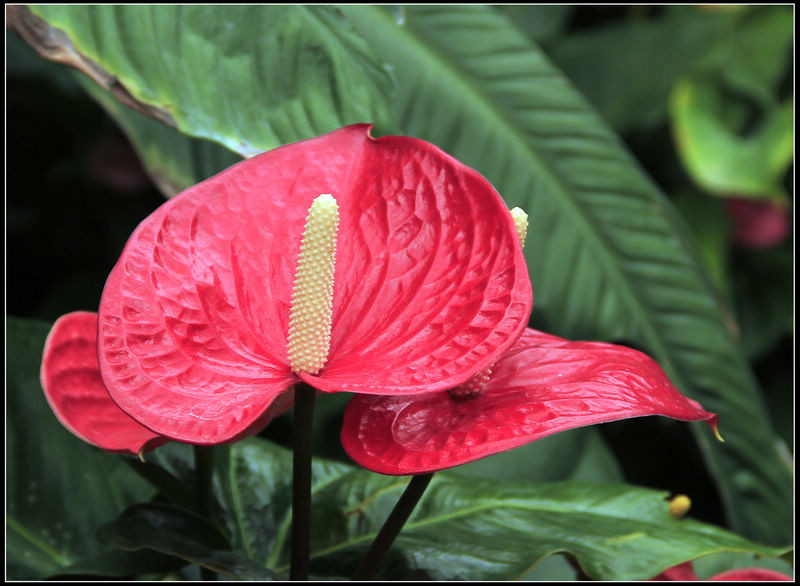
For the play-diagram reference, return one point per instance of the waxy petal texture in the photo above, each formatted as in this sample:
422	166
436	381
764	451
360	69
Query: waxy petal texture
72	385
430	285
543	385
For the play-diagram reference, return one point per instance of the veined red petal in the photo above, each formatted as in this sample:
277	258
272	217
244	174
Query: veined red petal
72	385
430	284
543	385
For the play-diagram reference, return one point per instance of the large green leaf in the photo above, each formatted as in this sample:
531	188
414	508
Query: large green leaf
58	488
609	257
249	77
472	529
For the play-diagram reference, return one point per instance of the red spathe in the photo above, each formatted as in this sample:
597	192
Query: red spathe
543	385
73	388
430	284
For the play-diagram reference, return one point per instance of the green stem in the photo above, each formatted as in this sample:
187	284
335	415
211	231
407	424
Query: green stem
304	396
204	472
391	528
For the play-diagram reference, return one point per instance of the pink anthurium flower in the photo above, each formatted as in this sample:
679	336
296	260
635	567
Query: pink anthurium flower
685	573
430	284
543	385
72	385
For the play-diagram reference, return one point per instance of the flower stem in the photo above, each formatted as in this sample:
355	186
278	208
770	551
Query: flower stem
391	528
204	472
304	396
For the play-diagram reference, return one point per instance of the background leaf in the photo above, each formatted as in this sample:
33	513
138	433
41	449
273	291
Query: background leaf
577	454
609	257
461	530
175	531
213	71
720	160
59	489
173	160
627	67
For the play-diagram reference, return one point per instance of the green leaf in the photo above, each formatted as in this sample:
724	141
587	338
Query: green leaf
541	22
764	298
574	454
175	531
59	489
721	161
173	160
627	68
609	257
758	50
251	77
462	529
710	224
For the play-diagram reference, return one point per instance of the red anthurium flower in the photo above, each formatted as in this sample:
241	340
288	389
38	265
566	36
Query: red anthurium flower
543	385
74	389
72	385
430	284
685	573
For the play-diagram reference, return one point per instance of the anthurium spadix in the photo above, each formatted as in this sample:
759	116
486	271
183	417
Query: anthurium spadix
429	284
543	385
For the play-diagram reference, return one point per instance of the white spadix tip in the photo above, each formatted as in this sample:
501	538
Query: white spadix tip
312	296
521	222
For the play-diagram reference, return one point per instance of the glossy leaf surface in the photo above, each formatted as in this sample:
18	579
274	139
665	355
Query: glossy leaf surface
543	385
52	476
274	74
72	385
430	285
616	532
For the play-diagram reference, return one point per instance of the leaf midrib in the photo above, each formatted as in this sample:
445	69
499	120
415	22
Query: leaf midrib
57	558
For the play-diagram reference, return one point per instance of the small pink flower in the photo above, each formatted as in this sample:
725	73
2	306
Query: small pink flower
758	224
